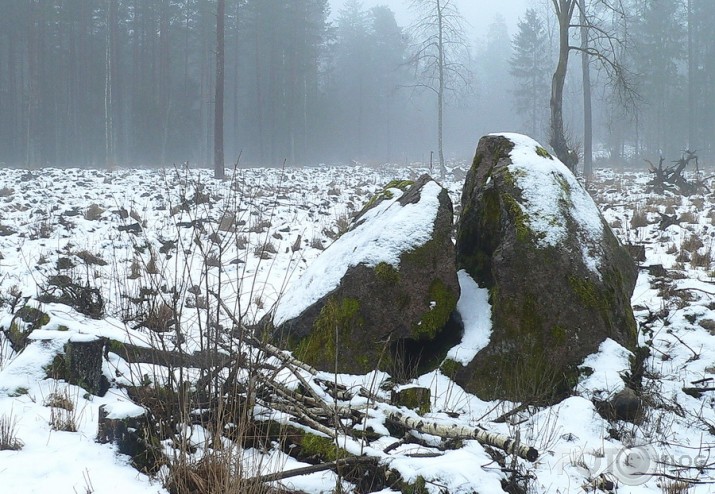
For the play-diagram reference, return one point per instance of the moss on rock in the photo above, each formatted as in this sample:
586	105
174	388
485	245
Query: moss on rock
321	447
450	368
25	321
387	274
336	321
419	486
549	309
543	153
418	399
386	194
442	303
380	313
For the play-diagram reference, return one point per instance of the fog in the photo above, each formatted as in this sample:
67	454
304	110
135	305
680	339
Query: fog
132	83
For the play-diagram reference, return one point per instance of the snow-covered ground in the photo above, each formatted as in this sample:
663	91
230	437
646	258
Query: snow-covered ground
129	231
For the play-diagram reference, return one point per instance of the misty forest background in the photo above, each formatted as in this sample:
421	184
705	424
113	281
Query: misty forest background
131	82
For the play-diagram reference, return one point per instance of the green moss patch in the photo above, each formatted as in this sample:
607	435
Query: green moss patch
450	368
387	274
333	326
418	399
403	185
321	447
35	318
543	153
386	193
442	302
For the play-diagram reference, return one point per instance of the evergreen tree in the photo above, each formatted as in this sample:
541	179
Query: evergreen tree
660	53
530	66
703	73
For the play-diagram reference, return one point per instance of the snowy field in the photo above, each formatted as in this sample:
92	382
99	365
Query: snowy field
186	237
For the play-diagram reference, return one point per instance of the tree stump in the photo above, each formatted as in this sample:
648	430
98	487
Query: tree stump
129	427
83	364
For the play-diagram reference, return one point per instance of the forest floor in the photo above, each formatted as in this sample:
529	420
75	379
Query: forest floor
150	241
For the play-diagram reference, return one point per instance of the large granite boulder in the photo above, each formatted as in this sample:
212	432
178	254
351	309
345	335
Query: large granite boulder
560	282
381	292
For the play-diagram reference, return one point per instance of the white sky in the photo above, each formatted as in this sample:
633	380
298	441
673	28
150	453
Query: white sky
478	13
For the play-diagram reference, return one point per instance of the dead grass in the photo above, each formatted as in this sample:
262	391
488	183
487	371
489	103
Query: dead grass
639	219
60	400
674	487
689	217
160	318
93	213
211	474
691	244
63	420
264	251
698	260
342	223
317	243
8	434
91	259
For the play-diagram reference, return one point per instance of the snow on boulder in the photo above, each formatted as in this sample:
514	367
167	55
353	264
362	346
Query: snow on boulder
389	283
559	281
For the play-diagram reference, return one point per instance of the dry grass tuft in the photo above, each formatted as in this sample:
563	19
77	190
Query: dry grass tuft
8	434
211	474
639	219
93	213
691	244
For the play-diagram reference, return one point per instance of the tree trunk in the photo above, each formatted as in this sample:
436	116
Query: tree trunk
164	77
33	56
440	92
109	84
558	139
587	114
218	113
691	81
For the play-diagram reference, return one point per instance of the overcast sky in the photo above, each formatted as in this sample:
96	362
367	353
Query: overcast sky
478	13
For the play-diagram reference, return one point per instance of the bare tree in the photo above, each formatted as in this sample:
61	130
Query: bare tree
602	44
438	55
219	171
587	112
109	82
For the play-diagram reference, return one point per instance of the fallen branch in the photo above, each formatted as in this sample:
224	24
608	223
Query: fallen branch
262	345
296	472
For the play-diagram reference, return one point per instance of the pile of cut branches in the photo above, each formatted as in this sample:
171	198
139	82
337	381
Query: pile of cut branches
286	399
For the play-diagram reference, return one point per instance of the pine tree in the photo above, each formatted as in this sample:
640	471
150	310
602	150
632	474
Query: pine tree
530	66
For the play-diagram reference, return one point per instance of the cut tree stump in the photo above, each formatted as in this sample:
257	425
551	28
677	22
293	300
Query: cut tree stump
129	427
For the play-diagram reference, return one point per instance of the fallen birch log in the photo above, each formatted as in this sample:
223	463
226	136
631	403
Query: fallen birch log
500	441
